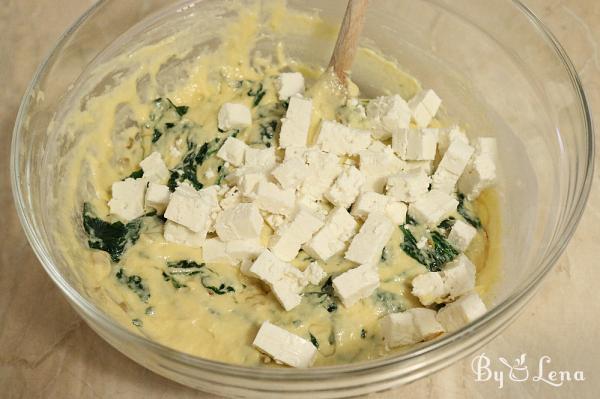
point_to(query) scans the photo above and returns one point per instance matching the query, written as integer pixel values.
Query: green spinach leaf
(465, 211)
(135, 283)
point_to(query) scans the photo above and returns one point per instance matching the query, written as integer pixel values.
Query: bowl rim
(512, 304)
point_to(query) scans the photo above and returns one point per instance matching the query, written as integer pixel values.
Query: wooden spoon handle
(347, 40)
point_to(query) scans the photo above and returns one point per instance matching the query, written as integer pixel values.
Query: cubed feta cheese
(230, 198)
(356, 284)
(332, 237)
(461, 235)
(459, 277)
(346, 187)
(234, 116)
(339, 139)
(396, 211)
(233, 252)
(461, 312)
(157, 197)
(408, 186)
(295, 125)
(127, 200)
(481, 172)
(291, 173)
(314, 273)
(409, 327)
(377, 163)
(451, 166)
(190, 209)
(290, 83)
(386, 114)
(323, 168)
(288, 239)
(368, 202)
(155, 169)
(273, 220)
(367, 245)
(285, 347)
(246, 180)
(448, 135)
(179, 234)
(262, 159)
(425, 166)
(424, 106)
(426, 323)
(415, 144)
(233, 151)
(429, 288)
(239, 222)
(271, 198)
(432, 208)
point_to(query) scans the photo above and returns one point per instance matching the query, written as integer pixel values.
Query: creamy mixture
(147, 268)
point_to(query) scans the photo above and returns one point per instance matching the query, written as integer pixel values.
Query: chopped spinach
(220, 290)
(137, 323)
(325, 296)
(113, 238)
(432, 258)
(267, 132)
(150, 311)
(165, 116)
(176, 284)
(190, 268)
(258, 93)
(134, 283)
(410, 220)
(363, 333)
(390, 302)
(384, 255)
(222, 173)
(447, 224)
(136, 174)
(465, 211)
(185, 264)
(314, 340)
(156, 135)
(181, 109)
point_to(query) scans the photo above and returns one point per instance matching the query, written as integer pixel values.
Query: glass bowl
(496, 67)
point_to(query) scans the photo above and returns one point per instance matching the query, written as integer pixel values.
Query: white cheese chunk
(285, 347)
(339, 139)
(356, 284)
(233, 116)
(157, 197)
(367, 245)
(386, 114)
(291, 173)
(323, 168)
(408, 186)
(409, 327)
(155, 169)
(288, 239)
(461, 312)
(290, 83)
(332, 237)
(452, 166)
(459, 277)
(233, 151)
(271, 198)
(314, 273)
(425, 166)
(396, 211)
(260, 159)
(368, 202)
(377, 163)
(247, 180)
(215, 250)
(429, 288)
(432, 208)
(239, 222)
(190, 208)
(127, 201)
(295, 125)
(346, 187)
(481, 172)
(415, 144)
(273, 220)
(448, 135)
(179, 234)
(231, 197)
(461, 235)
(424, 106)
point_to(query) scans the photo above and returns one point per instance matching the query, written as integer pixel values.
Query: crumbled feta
(285, 347)
(346, 187)
(425, 166)
(356, 284)
(339, 139)
(288, 239)
(127, 200)
(271, 198)
(295, 125)
(409, 327)
(263, 159)
(332, 237)
(377, 163)
(432, 207)
(481, 172)
(408, 186)
(424, 106)
(233, 252)
(230, 198)
(429, 288)
(157, 197)
(461, 235)
(459, 277)
(451, 166)
(386, 114)
(155, 169)
(190, 208)
(448, 135)
(367, 245)
(233, 116)
(273, 220)
(415, 144)
(368, 202)
(290, 83)
(291, 173)
(178, 234)
(396, 211)
(314, 273)
(233, 151)
(239, 222)
(461, 312)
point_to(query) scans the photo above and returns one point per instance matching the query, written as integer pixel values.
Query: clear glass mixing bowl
(496, 67)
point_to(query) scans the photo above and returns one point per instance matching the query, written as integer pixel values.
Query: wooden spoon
(347, 40)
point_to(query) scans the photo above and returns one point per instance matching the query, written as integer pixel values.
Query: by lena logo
(518, 371)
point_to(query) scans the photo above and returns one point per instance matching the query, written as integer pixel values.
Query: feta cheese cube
(425, 166)
(386, 114)
(273, 199)
(461, 312)
(127, 201)
(432, 208)
(459, 277)
(155, 169)
(426, 323)
(233, 252)
(273, 220)
(367, 245)
(260, 159)
(346, 187)
(291, 173)
(178, 234)
(409, 327)
(190, 209)
(288, 239)
(368, 202)
(424, 106)
(295, 125)
(448, 135)
(415, 144)
(157, 197)
(323, 168)
(408, 186)
(290, 83)
(233, 116)
(239, 222)
(452, 166)
(230, 198)
(233, 151)
(396, 211)
(461, 235)
(377, 163)
(332, 237)
(314, 274)
(429, 288)
(481, 172)
(285, 347)
(247, 180)
(339, 139)
(356, 284)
